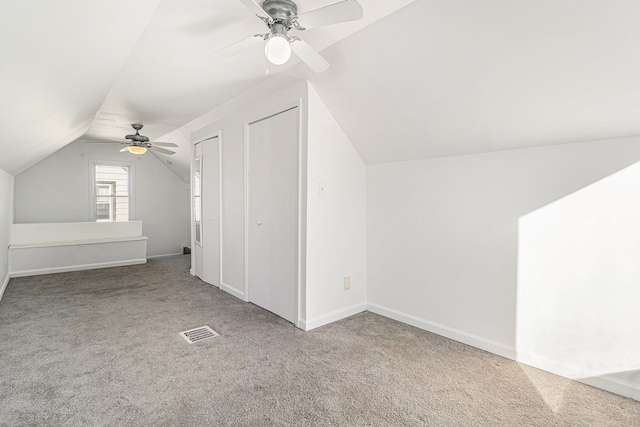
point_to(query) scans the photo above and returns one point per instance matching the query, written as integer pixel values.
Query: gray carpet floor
(102, 347)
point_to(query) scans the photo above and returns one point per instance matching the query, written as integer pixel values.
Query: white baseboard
(4, 286)
(325, 319)
(614, 385)
(302, 324)
(233, 291)
(605, 382)
(81, 267)
(162, 256)
(445, 331)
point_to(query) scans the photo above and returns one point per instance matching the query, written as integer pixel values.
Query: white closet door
(273, 213)
(211, 211)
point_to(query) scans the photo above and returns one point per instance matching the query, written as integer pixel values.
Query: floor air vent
(198, 334)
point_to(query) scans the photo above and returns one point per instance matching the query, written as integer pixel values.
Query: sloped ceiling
(58, 60)
(441, 78)
(413, 79)
(88, 69)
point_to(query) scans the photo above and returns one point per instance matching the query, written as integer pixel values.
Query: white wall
(443, 235)
(336, 221)
(333, 226)
(6, 219)
(578, 274)
(228, 121)
(57, 190)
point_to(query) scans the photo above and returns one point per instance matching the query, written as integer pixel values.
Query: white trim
(302, 217)
(131, 184)
(207, 137)
(246, 210)
(220, 229)
(192, 236)
(42, 233)
(4, 285)
(163, 255)
(614, 385)
(604, 382)
(445, 331)
(333, 316)
(77, 267)
(77, 242)
(233, 291)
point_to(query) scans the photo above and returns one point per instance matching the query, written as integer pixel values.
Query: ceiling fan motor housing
(137, 139)
(281, 10)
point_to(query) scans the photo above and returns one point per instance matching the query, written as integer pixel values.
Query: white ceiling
(58, 60)
(441, 78)
(433, 78)
(77, 68)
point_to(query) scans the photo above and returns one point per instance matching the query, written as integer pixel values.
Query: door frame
(300, 226)
(213, 135)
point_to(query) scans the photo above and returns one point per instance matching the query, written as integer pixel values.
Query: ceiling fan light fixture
(277, 49)
(136, 149)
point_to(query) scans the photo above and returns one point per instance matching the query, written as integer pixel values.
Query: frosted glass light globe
(278, 50)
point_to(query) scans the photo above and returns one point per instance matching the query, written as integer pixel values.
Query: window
(111, 192)
(105, 206)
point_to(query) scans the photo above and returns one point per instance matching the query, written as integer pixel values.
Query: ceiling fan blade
(255, 8)
(124, 149)
(164, 144)
(238, 47)
(309, 56)
(162, 150)
(102, 141)
(344, 11)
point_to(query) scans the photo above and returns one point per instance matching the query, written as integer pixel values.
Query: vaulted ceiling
(413, 79)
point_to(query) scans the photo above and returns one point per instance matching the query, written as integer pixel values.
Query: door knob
(259, 222)
(210, 219)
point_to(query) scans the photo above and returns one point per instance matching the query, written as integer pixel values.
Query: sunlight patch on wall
(579, 280)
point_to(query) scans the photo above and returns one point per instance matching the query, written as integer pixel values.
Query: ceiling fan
(139, 144)
(282, 16)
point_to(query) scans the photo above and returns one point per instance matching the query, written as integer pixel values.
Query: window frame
(93, 186)
(111, 205)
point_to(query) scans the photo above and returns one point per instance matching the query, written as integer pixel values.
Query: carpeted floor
(102, 347)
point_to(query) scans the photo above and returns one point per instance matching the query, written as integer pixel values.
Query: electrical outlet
(347, 282)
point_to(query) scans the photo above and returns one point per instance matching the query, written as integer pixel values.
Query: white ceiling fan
(139, 144)
(281, 16)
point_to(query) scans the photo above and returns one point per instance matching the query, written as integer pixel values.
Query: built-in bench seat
(71, 246)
